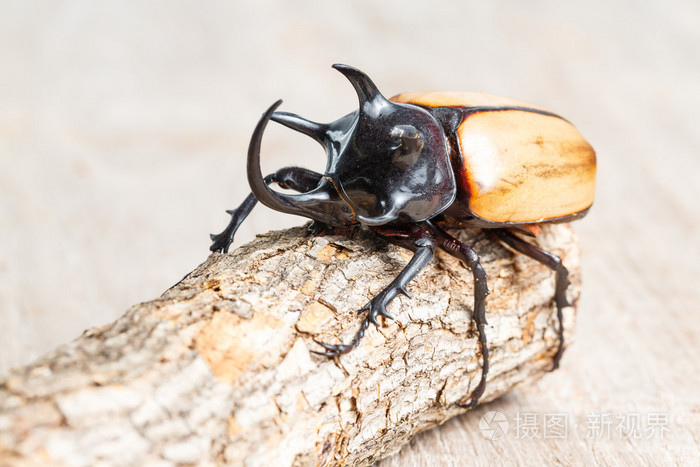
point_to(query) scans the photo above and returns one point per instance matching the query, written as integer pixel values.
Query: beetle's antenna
(366, 89)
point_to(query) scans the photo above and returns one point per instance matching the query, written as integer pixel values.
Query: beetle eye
(406, 145)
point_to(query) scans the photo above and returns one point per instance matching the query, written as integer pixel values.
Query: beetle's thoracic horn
(366, 90)
(315, 130)
(301, 204)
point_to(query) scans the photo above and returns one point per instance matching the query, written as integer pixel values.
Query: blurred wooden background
(123, 129)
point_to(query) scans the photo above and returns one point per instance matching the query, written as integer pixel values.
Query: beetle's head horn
(322, 203)
(315, 130)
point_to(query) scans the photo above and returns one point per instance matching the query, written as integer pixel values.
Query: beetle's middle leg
(554, 263)
(469, 257)
(294, 178)
(416, 237)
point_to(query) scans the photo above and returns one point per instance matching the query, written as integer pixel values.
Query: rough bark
(218, 370)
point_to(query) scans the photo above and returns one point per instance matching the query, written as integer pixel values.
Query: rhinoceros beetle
(408, 166)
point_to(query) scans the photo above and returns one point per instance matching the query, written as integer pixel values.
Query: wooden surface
(123, 129)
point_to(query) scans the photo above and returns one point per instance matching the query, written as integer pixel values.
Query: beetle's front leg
(294, 178)
(415, 238)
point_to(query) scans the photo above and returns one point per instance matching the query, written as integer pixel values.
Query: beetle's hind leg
(413, 237)
(294, 178)
(469, 257)
(554, 263)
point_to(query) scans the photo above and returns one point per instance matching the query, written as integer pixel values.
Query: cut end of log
(220, 368)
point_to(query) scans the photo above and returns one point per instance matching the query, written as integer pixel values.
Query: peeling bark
(218, 370)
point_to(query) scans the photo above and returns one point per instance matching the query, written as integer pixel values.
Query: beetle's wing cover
(519, 163)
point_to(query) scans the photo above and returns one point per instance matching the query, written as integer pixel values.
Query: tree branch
(219, 370)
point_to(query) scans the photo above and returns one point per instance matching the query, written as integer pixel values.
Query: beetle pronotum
(406, 167)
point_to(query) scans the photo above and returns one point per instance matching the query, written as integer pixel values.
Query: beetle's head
(387, 162)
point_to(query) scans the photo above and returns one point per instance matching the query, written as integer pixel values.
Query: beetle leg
(295, 178)
(554, 263)
(421, 241)
(469, 257)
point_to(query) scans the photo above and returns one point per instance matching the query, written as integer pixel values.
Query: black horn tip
(352, 73)
(366, 90)
(268, 113)
(343, 68)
